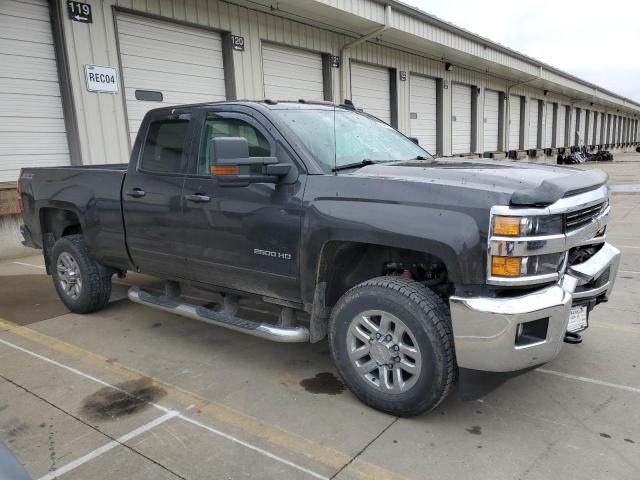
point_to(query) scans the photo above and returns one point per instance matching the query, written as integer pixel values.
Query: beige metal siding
(183, 63)
(460, 118)
(491, 120)
(371, 90)
(533, 123)
(32, 129)
(514, 122)
(423, 116)
(291, 73)
(102, 122)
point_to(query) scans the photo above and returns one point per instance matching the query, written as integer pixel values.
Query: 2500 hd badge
(268, 253)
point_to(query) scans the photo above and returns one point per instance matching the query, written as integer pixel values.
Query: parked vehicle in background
(412, 267)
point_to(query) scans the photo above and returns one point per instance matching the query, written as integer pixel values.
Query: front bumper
(484, 328)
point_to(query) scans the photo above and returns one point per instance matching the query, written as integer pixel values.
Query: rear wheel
(82, 284)
(392, 343)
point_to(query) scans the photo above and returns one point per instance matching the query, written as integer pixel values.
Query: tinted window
(232, 127)
(164, 145)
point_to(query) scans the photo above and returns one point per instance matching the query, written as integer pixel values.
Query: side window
(163, 147)
(232, 127)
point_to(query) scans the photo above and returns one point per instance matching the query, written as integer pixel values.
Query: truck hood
(526, 184)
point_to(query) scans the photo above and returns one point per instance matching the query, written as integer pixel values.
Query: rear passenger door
(152, 194)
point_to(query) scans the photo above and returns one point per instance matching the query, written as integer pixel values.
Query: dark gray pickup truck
(414, 268)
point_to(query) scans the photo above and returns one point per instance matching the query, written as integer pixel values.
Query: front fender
(453, 236)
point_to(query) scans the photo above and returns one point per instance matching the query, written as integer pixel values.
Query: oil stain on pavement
(130, 397)
(326, 383)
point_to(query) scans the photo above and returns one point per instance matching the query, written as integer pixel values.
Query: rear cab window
(164, 146)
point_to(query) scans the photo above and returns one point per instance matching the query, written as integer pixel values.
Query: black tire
(95, 289)
(428, 318)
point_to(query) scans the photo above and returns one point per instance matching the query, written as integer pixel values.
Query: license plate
(577, 319)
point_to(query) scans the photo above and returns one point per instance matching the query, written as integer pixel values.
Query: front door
(152, 195)
(243, 238)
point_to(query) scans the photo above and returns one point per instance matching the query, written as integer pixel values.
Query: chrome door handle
(197, 198)
(136, 193)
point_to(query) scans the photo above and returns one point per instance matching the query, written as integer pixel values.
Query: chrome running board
(275, 333)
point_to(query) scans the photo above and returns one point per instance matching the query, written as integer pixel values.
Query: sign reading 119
(80, 12)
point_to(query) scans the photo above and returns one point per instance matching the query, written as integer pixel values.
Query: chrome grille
(582, 217)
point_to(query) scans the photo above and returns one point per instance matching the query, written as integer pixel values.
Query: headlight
(526, 266)
(527, 226)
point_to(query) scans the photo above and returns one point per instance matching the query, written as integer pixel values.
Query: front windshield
(354, 138)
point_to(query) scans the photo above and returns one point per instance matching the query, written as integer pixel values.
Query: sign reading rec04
(101, 79)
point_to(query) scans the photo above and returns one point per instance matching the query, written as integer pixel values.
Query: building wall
(101, 117)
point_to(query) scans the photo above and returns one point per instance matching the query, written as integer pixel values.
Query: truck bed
(92, 192)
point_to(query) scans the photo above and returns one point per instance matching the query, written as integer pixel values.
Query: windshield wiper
(361, 163)
(420, 157)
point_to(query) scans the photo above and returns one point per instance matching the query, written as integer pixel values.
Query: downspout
(344, 51)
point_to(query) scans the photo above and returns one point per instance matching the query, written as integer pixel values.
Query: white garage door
(514, 122)
(572, 127)
(422, 105)
(32, 130)
(598, 138)
(491, 120)
(182, 63)
(460, 118)
(560, 135)
(291, 73)
(582, 140)
(533, 123)
(371, 90)
(548, 124)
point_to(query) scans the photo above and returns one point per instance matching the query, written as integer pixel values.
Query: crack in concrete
(364, 448)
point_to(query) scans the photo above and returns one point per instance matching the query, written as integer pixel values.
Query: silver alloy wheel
(69, 275)
(384, 351)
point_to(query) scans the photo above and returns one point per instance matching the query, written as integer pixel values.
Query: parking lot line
(169, 413)
(109, 446)
(589, 380)
(42, 267)
(292, 442)
(252, 447)
(629, 271)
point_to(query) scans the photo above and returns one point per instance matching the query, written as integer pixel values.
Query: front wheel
(392, 344)
(82, 284)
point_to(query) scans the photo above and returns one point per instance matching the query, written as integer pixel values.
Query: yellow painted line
(295, 443)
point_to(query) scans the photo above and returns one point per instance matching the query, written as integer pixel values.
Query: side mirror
(231, 165)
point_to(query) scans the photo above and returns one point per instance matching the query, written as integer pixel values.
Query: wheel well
(59, 222)
(344, 265)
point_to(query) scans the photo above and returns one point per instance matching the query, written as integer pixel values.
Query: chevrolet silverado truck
(415, 268)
